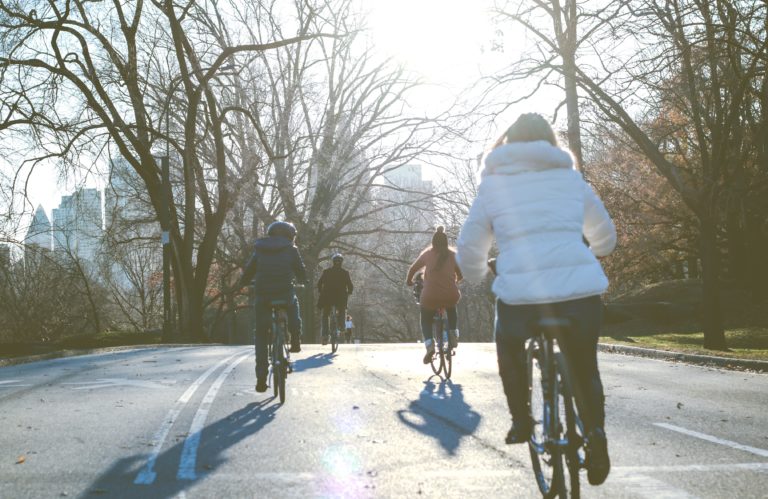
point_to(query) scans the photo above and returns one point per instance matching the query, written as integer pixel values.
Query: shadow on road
(441, 412)
(217, 437)
(313, 362)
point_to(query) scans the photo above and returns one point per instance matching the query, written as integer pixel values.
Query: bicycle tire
(546, 455)
(275, 380)
(574, 427)
(334, 341)
(448, 362)
(333, 330)
(437, 360)
(281, 383)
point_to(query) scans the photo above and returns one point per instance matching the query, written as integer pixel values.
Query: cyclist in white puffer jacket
(540, 210)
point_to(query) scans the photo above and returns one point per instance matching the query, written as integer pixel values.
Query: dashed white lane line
(648, 487)
(11, 383)
(188, 460)
(710, 438)
(147, 474)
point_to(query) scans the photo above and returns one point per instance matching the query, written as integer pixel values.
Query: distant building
(78, 225)
(411, 197)
(38, 236)
(132, 236)
(126, 205)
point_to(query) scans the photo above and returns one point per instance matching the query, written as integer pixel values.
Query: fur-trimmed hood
(519, 157)
(538, 209)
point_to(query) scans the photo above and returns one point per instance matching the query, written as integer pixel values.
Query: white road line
(651, 488)
(147, 474)
(682, 468)
(710, 438)
(188, 460)
(11, 383)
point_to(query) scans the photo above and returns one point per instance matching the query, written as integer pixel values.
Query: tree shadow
(313, 362)
(217, 437)
(440, 412)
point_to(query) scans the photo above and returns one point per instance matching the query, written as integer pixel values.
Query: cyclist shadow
(313, 362)
(216, 438)
(441, 412)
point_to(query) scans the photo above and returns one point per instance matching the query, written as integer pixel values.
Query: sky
(446, 42)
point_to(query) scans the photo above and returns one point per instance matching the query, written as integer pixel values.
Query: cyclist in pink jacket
(441, 274)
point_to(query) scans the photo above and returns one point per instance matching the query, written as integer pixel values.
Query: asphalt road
(367, 422)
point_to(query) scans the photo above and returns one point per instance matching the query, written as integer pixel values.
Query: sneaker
(261, 386)
(518, 434)
(597, 461)
(430, 346)
(453, 338)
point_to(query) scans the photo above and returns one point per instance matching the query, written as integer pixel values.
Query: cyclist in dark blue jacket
(271, 271)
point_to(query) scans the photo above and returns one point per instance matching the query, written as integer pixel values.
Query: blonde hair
(529, 127)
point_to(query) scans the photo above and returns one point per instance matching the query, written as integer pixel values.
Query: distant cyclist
(271, 271)
(537, 206)
(334, 288)
(348, 325)
(441, 274)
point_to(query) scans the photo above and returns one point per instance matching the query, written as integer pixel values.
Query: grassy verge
(743, 343)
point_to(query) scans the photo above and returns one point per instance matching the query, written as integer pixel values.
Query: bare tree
(75, 77)
(326, 124)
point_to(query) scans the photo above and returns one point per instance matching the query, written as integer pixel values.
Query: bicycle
(442, 358)
(278, 351)
(556, 409)
(334, 330)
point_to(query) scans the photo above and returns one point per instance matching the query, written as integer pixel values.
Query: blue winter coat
(273, 267)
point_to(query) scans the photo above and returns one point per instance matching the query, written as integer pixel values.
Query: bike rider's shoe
(430, 345)
(261, 385)
(518, 434)
(453, 338)
(597, 461)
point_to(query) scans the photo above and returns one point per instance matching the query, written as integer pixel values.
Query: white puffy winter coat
(537, 206)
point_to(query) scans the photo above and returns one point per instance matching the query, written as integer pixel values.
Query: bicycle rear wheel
(546, 453)
(283, 368)
(334, 340)
(570, 402)
(437, 360)
(334, 330)
(448, 360)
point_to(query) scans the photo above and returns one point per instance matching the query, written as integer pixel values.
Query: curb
(703, 360)
(59, 354)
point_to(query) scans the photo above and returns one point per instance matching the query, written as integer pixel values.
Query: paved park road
(368, 422)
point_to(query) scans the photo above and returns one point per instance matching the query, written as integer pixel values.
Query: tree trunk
(712, 321)
(307, 299)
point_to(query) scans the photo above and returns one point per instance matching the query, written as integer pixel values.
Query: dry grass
(743, 343)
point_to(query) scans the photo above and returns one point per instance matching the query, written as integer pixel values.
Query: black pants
(341, 313)
(428, 317)
(512, 330)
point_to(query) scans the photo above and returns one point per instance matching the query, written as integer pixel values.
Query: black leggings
(427, 317)
(511, 333)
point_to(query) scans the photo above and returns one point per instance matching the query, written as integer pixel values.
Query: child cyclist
(272, 269)
(539, 209)
(441, 274)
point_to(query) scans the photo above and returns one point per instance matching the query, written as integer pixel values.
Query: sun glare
(441, 40)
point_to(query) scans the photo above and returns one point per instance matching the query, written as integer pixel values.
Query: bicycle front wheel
(544, 443)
